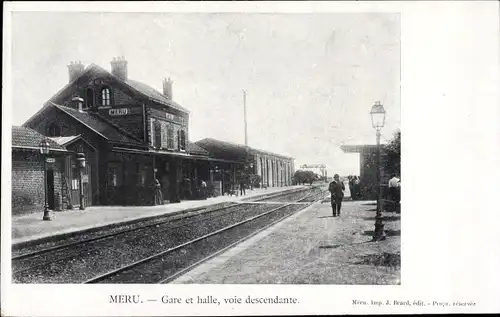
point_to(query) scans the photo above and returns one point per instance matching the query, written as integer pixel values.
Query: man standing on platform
(394, 184)
(336, 189)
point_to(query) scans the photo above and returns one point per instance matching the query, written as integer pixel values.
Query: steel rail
(232, 245)
(71, 244)
(183, 245)
(34, 254)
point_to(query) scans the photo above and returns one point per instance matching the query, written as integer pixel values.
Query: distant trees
(392, 163)
(303, 177)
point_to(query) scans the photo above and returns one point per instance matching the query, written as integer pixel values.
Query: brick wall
(133, 124)
(28, 183)
(121, 98)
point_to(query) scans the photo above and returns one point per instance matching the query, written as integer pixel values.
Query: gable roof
(193, 148)
(222, 149)
(138, 87)
(98, 125)
(154, 94)
(26, 138)
(64, 140)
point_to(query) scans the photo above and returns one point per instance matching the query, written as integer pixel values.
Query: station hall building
(135, 137)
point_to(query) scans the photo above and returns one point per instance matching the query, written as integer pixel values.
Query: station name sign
(119, 112)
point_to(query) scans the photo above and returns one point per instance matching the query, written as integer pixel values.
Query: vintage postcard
(248, 158)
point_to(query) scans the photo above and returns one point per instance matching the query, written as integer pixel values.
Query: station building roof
(230, 150)
(29, 139)
(99, 125)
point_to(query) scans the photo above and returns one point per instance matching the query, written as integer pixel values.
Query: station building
(274, 170)
(132, 135)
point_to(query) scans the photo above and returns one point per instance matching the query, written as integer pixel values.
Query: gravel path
(167, 264)
(315, 248)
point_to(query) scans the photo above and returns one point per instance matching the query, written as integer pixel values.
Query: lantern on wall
(80, 158)
(44, 147)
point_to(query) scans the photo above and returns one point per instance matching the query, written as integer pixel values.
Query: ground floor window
(115, 177)
(141, 175)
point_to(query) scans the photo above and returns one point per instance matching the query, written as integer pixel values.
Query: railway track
(83, 259)
(78, 261)
(74, 239)
(22, 250)
(165, 266)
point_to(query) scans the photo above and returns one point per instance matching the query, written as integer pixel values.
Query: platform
(311, 247)
(32, 227)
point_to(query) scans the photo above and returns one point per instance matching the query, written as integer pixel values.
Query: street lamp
(378, 119)
(44, 151)
(80, 158)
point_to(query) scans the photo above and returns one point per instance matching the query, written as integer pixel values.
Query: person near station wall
(158, 193)
(242, 187)
(203, 189)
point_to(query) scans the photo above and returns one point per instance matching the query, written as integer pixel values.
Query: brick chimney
(167, 88)
(75, 69)
(119, 67)
(77, 103)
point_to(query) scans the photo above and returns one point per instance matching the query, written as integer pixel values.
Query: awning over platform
(173, 154)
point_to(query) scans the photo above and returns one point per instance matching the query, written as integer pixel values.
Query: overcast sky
(311, 79)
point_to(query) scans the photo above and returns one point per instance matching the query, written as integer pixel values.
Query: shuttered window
(182, 140)
(157, 134)
(170, 137)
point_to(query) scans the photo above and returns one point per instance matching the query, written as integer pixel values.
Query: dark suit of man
(336, 189)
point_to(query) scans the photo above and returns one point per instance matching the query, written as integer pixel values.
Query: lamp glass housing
(44, 147)
(80, 157)
(378, 115)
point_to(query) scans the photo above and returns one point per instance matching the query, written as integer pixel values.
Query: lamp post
(378, 119)
(80, 158)
(44, 151)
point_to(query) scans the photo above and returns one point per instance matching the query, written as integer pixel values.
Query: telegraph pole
(245, 115)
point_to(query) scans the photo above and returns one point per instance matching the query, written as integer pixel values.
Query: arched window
(54, 130)
(105, 96)
(89, 98)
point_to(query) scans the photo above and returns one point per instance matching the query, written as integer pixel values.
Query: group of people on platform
(354, 187)
(337, 188)
(186, 189)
